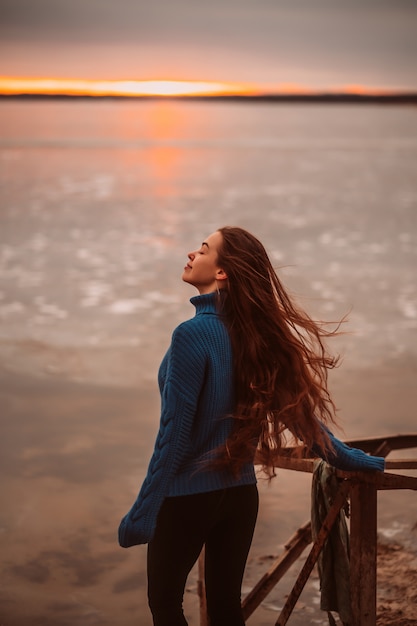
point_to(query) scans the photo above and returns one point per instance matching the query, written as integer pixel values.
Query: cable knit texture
(196, 385)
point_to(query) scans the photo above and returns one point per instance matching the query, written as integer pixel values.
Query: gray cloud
(375, 39)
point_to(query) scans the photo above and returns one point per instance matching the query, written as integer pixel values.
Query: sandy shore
(397, 584)
(72, 457)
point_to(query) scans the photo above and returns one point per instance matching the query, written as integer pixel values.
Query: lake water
(100, 202)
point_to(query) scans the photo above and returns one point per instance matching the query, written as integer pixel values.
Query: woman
(248, 366)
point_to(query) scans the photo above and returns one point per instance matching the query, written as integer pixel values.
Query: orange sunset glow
(56, 86)
(16, 86)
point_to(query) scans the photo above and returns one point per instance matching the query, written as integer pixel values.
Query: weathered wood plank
(402, 464)
(381, 480)
(293, 549)
(394, 442)
(294, 463)
(363, 546)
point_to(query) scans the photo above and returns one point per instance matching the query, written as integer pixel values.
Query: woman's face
(202, 270)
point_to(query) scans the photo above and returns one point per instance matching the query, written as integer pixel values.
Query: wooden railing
(361, 488)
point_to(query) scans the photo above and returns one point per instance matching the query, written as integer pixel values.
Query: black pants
(222, 520)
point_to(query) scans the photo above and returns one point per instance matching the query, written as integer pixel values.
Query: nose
(191, 255)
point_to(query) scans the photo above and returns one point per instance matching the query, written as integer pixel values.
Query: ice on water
(96, 224)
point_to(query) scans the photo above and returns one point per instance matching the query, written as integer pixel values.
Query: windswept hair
(280, 360)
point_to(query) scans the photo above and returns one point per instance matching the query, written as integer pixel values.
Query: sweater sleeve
(182, 386)
(349, 459)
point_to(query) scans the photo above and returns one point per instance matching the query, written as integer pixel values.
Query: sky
(311, 43)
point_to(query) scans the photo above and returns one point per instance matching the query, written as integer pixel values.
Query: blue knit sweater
(196, 385)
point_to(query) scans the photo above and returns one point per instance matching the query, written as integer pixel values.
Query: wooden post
(363, 538)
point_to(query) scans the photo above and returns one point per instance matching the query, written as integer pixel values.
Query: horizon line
(404, 98)
(58, 87)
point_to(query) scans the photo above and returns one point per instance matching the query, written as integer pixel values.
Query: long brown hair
(280, 360)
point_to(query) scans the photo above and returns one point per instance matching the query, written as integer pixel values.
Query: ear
(221, 275)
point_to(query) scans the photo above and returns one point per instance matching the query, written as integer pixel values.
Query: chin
(185, 279)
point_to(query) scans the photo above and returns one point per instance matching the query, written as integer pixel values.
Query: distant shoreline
(404, 98)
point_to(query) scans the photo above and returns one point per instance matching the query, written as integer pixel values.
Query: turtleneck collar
(206, 303)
